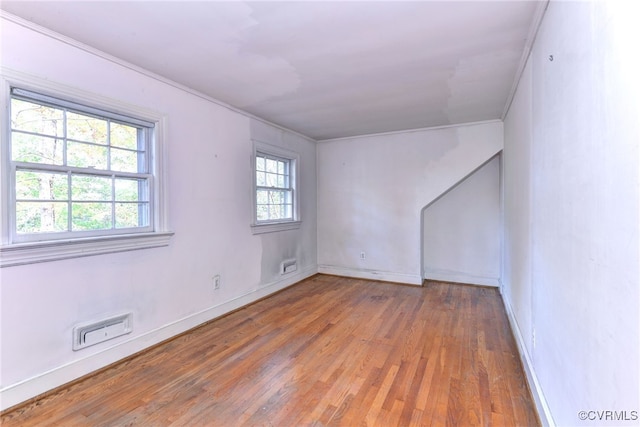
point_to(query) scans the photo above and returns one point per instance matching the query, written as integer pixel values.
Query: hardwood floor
(328, 351)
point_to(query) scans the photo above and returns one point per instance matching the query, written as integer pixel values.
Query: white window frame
(13, 251)
(259, 227)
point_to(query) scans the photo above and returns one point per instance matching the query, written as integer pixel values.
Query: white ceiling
(325, 69)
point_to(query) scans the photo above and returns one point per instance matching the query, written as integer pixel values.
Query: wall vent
(87, 334)
(288, 266)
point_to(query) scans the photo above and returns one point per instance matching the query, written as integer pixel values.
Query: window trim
(294, 177)
(19, 253)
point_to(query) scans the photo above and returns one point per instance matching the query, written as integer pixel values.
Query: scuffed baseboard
(536, 390)
(15, 394)
(386, 276)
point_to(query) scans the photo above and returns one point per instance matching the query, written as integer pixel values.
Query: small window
(274, 193)
(81, 180)
(275, 201)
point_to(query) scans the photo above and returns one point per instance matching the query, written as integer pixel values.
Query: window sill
(34, 252)
(276, 226)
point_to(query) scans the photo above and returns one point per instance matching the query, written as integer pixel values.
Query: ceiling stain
(324, 69)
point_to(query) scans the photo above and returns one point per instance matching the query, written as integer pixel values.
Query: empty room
(296, 213)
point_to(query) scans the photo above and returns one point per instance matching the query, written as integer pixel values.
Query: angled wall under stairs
(372, 191)
(461, 230)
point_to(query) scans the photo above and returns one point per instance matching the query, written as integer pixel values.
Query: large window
(76, 173)
(275, 195)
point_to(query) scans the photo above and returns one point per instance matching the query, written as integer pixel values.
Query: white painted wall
(372, 189)
(168, 289)
(571, 266)
(462, 231)
(517, 175)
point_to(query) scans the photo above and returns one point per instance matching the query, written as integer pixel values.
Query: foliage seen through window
(77, 171)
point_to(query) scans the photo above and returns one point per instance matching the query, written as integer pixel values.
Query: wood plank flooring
(327, 351)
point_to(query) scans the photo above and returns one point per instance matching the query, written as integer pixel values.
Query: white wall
(462, 231)
(168, 289)
(372, 189)
(571, 266)
(516, 276)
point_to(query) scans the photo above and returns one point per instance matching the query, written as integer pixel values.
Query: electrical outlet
(363, 255)
(216, 282)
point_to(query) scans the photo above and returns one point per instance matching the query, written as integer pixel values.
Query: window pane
(86, 155)
(260, 163)
(37, 118)
(272, 166)
(281, 168)
(288, 197)
(132, 215)
(131, 190)
(36, 149)
(275, 212)
(275, 198)
(40, 217)
(260, 179)
(124, 136)
(281, 181)
(262, 197)
(288, 211)
(41, 185)
(272, 180)
(263, 212)
(87, 187)
(125, 161)
(91, 216)
(86, 128)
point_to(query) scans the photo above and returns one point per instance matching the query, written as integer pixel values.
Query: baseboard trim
(544, 413)
(446, 276)
(35, 387)
(386, 276)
